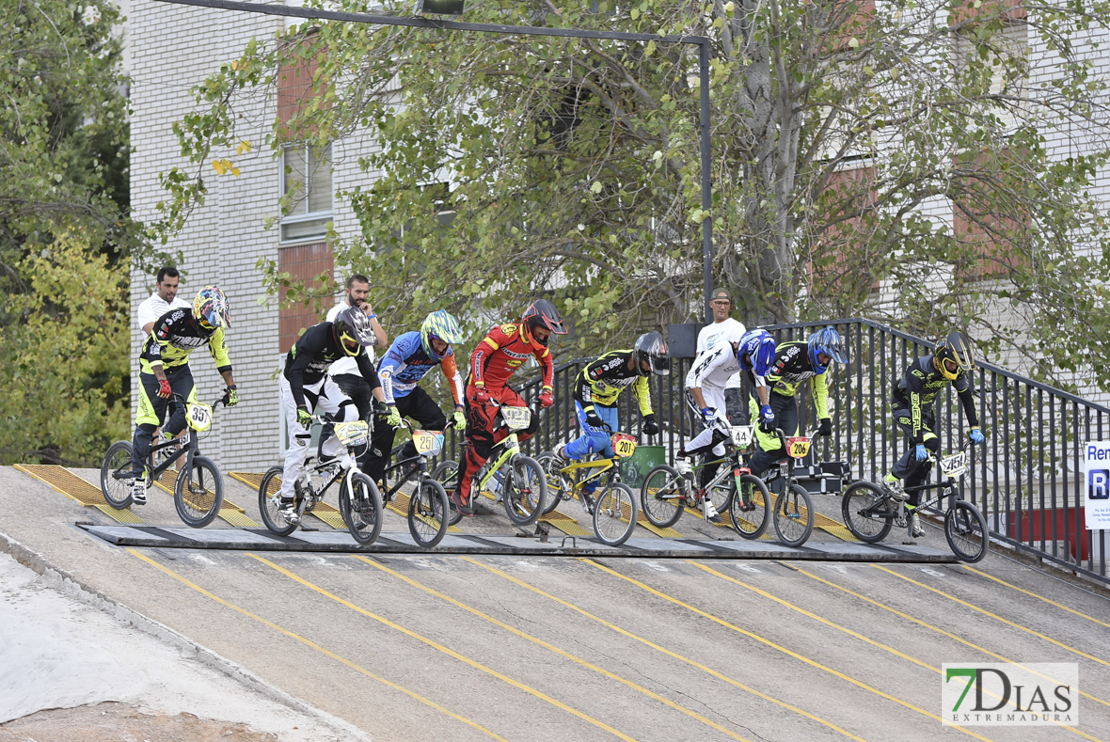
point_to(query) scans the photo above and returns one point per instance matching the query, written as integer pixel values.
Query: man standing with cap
(724, 327)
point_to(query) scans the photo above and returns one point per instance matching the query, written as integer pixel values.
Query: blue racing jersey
(406, 363)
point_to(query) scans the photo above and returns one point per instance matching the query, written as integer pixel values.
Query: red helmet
(541, 313)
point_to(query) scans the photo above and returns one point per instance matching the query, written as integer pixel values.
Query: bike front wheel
(269, 503)
(115, 471)
(750, 508)
(966, 531)
(867, 512)
(524, 491)
(428, 513)
(615, 514)
(361, 508)
(663, 495)
(198, 492)
(794, 515)
(447, 474)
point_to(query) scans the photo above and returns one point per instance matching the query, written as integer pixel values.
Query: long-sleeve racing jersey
(502, 351)
(919, 387)
(791, 367)
(406, 363)
(174, 336)
(713, 368)
(314, 353)
(604, 378)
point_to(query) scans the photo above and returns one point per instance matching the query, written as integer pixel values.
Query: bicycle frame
(189, 447)
(602, 466)
(732, 457)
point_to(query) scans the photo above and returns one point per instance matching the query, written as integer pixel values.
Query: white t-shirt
(728, 330)
(347, 364)
(154, 307)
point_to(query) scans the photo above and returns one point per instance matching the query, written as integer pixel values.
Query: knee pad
(932, 443)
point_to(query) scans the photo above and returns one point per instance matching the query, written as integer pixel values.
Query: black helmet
(353, 325)
(957, 348)
(541, 313)
(651, 348)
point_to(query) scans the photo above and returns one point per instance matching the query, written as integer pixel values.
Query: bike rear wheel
(615, 514)
(361, 508)
(117, 462)
(750, 509)
(524, 491)
(794, 515)
(269, 503)
(966, 531)
(559, 485)
(198, 494)
(428, 513)
(447, 474)
(663, 495)
(867, 512)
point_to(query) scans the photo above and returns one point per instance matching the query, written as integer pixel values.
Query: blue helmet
(827, 341)
(439, 324)
(758, 346)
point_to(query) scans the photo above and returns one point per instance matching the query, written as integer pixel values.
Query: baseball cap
(719, 294)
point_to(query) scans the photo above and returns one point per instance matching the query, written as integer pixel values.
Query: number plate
(623, 445)
(516, 418)
(427, 442)
(954, 465)
(797, 447)
(352, 433)
(742, 435)
(199, 416)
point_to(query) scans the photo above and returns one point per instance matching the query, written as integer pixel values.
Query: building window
(306, 188)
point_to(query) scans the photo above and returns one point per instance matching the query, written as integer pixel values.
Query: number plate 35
(199, 416)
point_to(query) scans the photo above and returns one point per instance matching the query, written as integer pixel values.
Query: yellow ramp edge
(833, 527)
(664, 532)
(120, 516)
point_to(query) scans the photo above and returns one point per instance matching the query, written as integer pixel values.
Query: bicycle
(198, 491)
(793, 510)
(429, 508)
(667, 490)
(523, 487)
(360, 503)
(614, 511)
(870, 511)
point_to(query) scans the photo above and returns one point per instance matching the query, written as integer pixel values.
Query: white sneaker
(559, 459)
(289, 512)
(682, 466)
(894, 488)
(138, 491)
(710, 512)
(916, 530)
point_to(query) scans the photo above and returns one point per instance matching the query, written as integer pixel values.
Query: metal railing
(1026, 479)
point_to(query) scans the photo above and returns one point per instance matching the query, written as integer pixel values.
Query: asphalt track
(648, 644)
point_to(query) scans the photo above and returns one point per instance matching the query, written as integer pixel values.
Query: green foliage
(844, 135)
(65, 234)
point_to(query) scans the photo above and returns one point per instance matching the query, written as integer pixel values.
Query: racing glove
(650, 426)
(825, 428)
(766, 418)
(393, 417)
(592, 418)
(546, 398)
(921, 453)
(481, 396)
(231, 397)
(976, 436)
(458, 419)
(164, 390)
(709, 415)
(304, 417)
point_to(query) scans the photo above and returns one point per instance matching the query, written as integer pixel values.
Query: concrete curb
(71, 587)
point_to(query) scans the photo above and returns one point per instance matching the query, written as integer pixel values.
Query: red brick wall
(305, 262)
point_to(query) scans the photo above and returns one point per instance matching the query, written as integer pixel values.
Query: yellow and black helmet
(954, 347)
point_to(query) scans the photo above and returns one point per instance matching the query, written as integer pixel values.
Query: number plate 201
(624, 445)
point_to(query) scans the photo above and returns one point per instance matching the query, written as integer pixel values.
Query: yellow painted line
(553, 648)
(985, 612)
(780, 648)
(313, 645)
(926, 625)
(838, 627)
(1034, 595)
(449, 652)
(663, 650)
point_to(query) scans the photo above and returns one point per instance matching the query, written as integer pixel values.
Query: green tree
(841, 130)
(65, 235)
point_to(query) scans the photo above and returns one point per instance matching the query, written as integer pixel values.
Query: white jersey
(726, 331)
(713, 368)
(346, 365)
(154, 307)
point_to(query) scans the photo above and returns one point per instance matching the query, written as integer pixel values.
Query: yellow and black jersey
(604, 378)
(792, 366)
(174, 336)
(918, 389)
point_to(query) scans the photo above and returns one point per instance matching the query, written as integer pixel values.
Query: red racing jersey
(502, 351)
